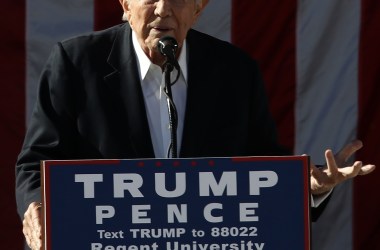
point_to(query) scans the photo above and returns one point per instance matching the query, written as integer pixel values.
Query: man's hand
(32, 226)
(337, 169)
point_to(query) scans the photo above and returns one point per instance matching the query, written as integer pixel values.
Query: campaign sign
(177, 204)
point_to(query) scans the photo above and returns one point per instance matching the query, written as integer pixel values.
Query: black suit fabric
(90, 106)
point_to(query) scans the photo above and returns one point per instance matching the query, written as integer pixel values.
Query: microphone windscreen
(168, 46)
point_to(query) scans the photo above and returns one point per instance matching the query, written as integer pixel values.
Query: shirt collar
(144, 62)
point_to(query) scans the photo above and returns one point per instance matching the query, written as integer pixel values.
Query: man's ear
(204, 3)
(124, 5)
(200, 7)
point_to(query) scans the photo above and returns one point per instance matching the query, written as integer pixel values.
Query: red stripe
(366, 227)
(306, 197)
(267, 158)
(47, 209)
(267, 32)
(12, 113)
(106, 14)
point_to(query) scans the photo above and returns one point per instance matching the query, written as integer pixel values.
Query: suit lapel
(201, 99)
(125, 83)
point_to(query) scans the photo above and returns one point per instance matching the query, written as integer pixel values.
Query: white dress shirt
(152, 83)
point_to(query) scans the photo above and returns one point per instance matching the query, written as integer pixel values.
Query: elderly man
(100, 97)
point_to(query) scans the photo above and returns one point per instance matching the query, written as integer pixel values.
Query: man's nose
(163, 8)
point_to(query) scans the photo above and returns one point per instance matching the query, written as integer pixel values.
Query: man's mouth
(162, 29)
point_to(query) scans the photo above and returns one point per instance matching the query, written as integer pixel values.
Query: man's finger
(356, 167)
(315, 172)
(366, 169)
(36, 215)
(36, 220)
(26, 231)
(28, 227)
(32, 226)
(330, 161)
(349, 150)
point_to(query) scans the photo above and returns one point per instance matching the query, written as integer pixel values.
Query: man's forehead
(203, 2)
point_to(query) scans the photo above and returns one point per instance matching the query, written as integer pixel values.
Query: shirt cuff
(317, 200)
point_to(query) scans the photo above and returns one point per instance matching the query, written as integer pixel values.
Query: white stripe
(327, 100)
(47, 23)
(216, 19)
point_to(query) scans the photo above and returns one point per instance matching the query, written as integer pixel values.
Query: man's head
(153, 19)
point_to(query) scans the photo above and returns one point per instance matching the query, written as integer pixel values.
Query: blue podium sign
(177, 204)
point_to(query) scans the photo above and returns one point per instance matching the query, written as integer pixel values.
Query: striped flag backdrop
(321, 65)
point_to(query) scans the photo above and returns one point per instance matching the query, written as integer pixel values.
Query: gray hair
(125, 18)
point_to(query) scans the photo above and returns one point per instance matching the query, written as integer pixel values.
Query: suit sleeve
(263, 136)
(51, 131)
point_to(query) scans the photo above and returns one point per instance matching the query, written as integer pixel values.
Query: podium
(177, 204)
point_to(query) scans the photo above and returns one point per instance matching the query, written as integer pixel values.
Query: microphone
(168, 46)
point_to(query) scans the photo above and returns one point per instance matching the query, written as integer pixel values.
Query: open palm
(337, 169)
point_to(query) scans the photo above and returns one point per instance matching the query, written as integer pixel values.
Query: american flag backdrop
(321, 64)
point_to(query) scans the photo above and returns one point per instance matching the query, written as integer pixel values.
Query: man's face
(153, 19)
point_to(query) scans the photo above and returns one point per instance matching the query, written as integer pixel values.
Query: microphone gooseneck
(168, 47)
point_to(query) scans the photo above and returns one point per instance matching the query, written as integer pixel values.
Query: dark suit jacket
(90, 106)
